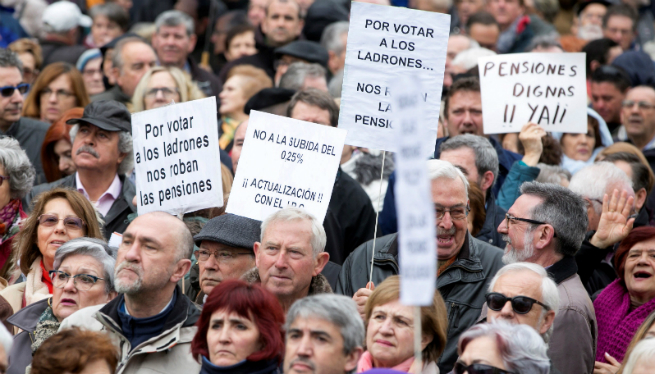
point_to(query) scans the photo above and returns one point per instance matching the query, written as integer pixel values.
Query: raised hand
(615, 222)
(530, 137)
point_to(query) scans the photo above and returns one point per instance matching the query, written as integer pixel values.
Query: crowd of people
(545, 241)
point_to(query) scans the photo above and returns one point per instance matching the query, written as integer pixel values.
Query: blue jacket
(518, 174)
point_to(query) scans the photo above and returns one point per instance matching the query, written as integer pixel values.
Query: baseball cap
(109, 115)
(64, 15)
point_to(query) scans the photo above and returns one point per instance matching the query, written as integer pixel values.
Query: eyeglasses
(7, 91)
(165, 91)
(82, 282)
(457, 213)
(71, 223)
(3, 178)
(220, 256)
(520, 304)
(510, 217)
(628, 104)
(460, 368)
(61, 94)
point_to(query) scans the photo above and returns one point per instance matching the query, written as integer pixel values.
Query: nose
(281, 261)
(60, 227)
(305, 347)
(159, 95)
(385, 328)
(467, 117)
(211, 263)
(507, 311)
(446, 221)
(70, 285)
(502, 228)
(224, 335)
(16, 97)
(52, 97)
(132, 252)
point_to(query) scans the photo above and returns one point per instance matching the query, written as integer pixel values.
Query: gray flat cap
(232, 230)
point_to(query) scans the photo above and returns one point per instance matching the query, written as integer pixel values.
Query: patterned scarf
(228, 127)
(9, 218)
(45, 328)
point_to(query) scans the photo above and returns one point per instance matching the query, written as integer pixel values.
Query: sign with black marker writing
(386, 43)
(177, 159)
(285, 162)
(549, 89)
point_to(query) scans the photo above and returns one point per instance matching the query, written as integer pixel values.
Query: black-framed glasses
(50, 220)
(61, 94)
(520, 304)
(82, 282)
(460, 368)
(628, 104)
(456, 213)
(167, 92)
(7, 91)
(3, 178)
(220, 255)
(510, 217)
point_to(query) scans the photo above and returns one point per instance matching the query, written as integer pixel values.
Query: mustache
(450, 232)
(507, 239)
(304, 361)
(129, 266)
(88, 149)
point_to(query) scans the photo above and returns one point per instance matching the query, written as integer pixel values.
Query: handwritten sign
(177, 158)
(387, 43)
(285, 162)
(545, 88)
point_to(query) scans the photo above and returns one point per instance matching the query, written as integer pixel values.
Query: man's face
(239, 137)
(173, 45)
(464, 114)
(457, 44)
(449, 194)
(336, 61)
(282, 23)
(520, 245)
(224, 262)
(505, 11)
(465, 8)
(464, 159)
(314, 345)
(593, 14)
(285, 259)
(620, 29)
(138, 58)
(485, 35)
(606, 99)
(639, 118)
(282, 65)
(10, 107)
(311, 113)
(256, 11)
(96, 149)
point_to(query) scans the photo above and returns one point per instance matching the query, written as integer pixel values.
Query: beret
(305, 50)
(268, 97)
(232, 230)
(320, 15)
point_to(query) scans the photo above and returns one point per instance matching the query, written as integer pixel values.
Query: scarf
(45, 328)
(228, 127)
(617, 324)
(45, 277)
(245, 366)
(366, 363)
(35, 288)
(9, 218)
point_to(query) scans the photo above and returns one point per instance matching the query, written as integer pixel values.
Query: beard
(126, 286)
(513, 255)
(590, 32)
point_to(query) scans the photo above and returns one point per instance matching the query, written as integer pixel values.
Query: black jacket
(115, 93)
(462, 285)
(25, 319)
(489, 232)
(30, 134)
(208, 83)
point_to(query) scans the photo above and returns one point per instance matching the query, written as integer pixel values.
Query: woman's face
(482, 350)
(241, 45)
(92, 75)
(50, 238)
(72, 297)
(62, 150)
(103, 30)
(57, 98)
(579, 146)
(232, 97)
(161, 90)
(5, 191)
(231, 338)
(640, 271)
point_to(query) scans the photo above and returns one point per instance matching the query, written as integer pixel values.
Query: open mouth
(445, 240)
(57, 243)
(642, 275)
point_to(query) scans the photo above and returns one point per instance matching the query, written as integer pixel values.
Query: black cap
(232, 230)
(108, 115)
(304, 50)
(320, 15)
(268, 97)
(584, 4)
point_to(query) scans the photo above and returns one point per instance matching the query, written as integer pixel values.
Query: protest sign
(414, 207)
(386, 43)
(549, 89)
(285, 162)
(176, 157)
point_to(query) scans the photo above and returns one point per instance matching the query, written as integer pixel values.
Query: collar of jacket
(563, 269)
(28, 317)
(319, 284)
(120, 95)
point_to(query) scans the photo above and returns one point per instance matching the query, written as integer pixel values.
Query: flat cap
(232, 230)
(109, 115)
(304, 50)
(268, 97)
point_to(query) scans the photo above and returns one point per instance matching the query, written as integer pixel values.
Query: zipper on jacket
(454, 315)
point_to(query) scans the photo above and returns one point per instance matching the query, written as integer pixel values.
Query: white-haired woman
(82, 276)
(642, 358)
(162, 85)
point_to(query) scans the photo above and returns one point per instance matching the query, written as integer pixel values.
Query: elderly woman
(390, 331)
(162, 85)
(501, 348)
(56, 149)
(58, 88)
(83, 275)
(89, 64)
(623, 305)
(239, 330)
(16, 179)
(642, 358)
(58, 216)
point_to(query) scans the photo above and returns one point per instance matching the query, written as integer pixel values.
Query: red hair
(58, 131)
(249, 301)
(637, 235)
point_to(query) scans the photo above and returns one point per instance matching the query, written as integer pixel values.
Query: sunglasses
(50, 220)
(478, 369)
(7, 91)
(520, 304)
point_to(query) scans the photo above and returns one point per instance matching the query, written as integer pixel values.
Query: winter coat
(26, 320)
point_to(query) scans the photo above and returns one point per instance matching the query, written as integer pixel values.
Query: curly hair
(17, 167)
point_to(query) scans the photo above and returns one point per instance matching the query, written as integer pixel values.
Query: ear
(332, 60)
(181, 268)
(352, 358)
(256, 249)
(486, 181)
(546, 236)
(320, 262)
(116, 72)
(121, 157)
(192, 43)
(548, 322)
(594, 65)
(640, 199)
(425, 340)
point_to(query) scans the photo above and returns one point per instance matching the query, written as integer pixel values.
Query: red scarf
(45, 277)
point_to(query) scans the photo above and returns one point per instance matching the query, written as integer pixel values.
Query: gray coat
(462, 285)
(25, 319)
(30, 133)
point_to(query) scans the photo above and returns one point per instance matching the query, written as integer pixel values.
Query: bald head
(171, 228)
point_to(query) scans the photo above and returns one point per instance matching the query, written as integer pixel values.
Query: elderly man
(151, 322)
(61, 31)
(102, 154)
(334, 40)
(465, 264)
(609, 85)
(290, 256)
(620, 24)
(638, 118)
(300, 76)
(516, 31)
(324, 334)
(225, 251)
(29, 133)
(546, 226)
(131, 58)
(174, 40)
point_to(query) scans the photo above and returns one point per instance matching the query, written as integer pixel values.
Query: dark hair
(114, 13)
(235, 31)
(249, 301)
(637, 235)
(476, 202)
(614, 75)
(544, 42)
(621, 10)
(552, 151)
(598, 50)
(315, 97)
(483, 18)
(470, 84)
(71, 350)
(642, 176)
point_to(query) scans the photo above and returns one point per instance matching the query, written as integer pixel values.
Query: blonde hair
(255, 79)
(188, 90)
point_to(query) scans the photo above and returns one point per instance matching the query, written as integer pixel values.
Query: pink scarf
(366, 363)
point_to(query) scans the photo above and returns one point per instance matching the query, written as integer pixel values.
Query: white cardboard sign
(549, 89)
(285, 162)
(387, 43)
(176, 158)
(416, 228)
